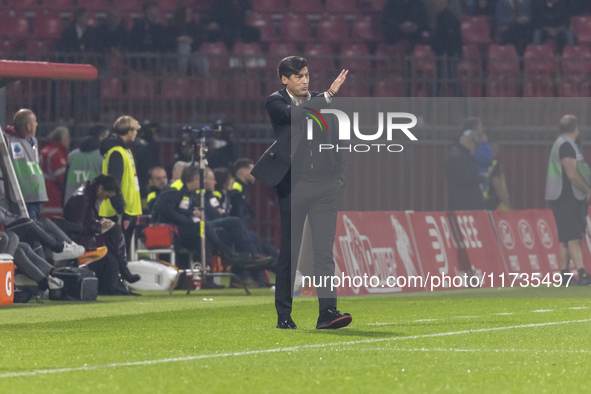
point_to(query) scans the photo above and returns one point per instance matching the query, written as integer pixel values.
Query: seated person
(93, 231)
(28, 262)
(177, 204)
(157, 181)
(41, 234)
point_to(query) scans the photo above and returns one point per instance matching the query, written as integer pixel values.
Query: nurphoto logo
(344, 130)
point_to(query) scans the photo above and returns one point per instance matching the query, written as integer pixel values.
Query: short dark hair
(222, 174)
(98, 130)
(471, 123)
(291, 65)
(151, 170)
(189, 174)
(568, 123)
(240, 164)
(109, 183)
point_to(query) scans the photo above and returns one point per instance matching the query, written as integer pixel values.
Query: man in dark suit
(308, 183)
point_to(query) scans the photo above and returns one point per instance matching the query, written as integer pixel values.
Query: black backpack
(79, 283)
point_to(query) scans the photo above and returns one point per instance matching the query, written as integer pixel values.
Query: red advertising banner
(377, 247)
(6, 283)
(528, 241)
(456, 245)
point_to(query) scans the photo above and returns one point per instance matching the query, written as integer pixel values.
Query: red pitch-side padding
(399, 245)
(528, 241)
(6, 283)
(377, 244)
(456, 243)
(44, 70)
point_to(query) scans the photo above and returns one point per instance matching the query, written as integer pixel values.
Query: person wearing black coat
(92, 231)
(463, 179)
(309, 185)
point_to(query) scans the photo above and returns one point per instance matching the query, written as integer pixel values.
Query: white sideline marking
(475, 350)
(278, 350)
(544, 310)
(579, 307)
(422, 320)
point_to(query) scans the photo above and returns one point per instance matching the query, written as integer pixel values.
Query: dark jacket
(115, 166)
(447, 39)
(275, 163)
(239, 203)
(463, 181)
(82, 210)
(169, 207)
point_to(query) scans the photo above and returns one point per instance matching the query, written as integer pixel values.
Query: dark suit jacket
(275, 163)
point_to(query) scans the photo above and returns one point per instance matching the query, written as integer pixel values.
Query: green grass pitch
(224, 341)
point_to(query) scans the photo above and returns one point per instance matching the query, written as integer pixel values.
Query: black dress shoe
(285, 323)
(332, 319)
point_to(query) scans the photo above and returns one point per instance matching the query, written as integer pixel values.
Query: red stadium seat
(247, 49)
(22, 5)
(176, 88)
(6, 47)
(503, 70)
(365, 29)
(111, 89)
(59, 5)
(575, 70)
(14, 25)
(306, 7)
(503, 59)
(470, 71)
(391, 87)
(277, 51)
(581, 26)
(390, 60)
(372, 5)
(39, 48)
(424, 67)
(356, 57)
(48, 26)
(342, 7)
(539, 60)
(320, 57)
(94, 5)
(576, 62)
(269, 6)
(333, 29)
(355, 87)
(217, 55)
(168, 6)
(135, 6)
(296, 28)
(265, 24)
(250, 55)
(475, 30)
(141, 86)
(575, 89)
(540, 71)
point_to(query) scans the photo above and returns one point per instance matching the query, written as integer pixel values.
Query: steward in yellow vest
(118, 161)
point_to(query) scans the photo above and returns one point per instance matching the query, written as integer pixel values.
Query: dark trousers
(30, 232)
(318, 201)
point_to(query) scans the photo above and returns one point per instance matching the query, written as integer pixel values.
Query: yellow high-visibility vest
(130, 187)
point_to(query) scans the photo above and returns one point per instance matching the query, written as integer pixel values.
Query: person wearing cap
(86, 162)
(463, 179)
(118, 161)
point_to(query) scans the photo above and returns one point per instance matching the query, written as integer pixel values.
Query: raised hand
(336, 85)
